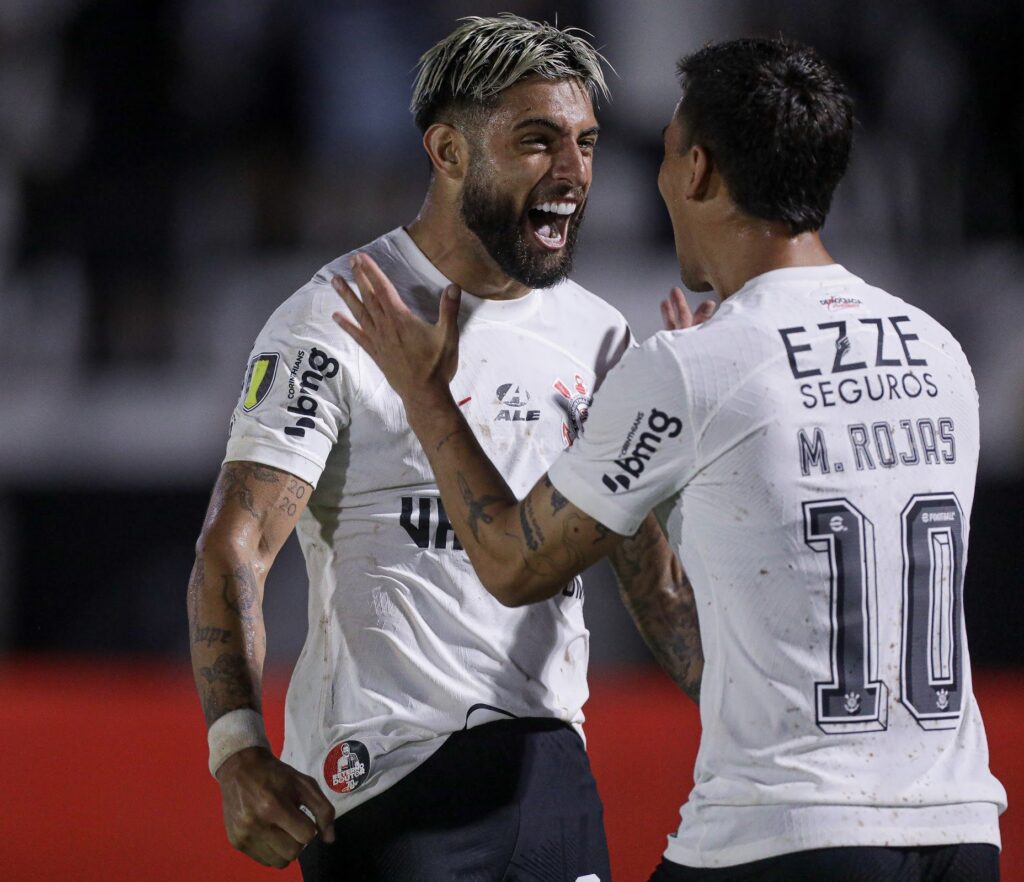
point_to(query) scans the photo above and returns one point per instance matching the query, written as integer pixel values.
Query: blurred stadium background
(170, 170)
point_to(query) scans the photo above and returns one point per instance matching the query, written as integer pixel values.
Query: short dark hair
(776, 120)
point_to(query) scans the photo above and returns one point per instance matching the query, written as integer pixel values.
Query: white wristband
(235, 731)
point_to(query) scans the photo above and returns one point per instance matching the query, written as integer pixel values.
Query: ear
(703, 175)
(448, 150)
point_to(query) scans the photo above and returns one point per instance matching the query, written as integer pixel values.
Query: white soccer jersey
(811, 451)
(405, 645)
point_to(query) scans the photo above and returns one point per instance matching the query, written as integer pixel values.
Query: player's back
(824, 524)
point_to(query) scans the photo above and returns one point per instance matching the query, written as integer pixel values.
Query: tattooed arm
(522, 551)
(252, 511)
(659, 597)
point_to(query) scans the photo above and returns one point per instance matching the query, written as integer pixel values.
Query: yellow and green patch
(259, 378)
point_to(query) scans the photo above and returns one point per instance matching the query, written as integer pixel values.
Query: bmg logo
(659, 426)
(322, 367)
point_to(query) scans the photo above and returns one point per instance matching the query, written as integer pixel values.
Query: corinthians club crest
(576, 401)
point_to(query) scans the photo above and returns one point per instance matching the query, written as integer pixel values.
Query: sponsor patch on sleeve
(259, 379)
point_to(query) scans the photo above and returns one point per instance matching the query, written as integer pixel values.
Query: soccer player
(811, 451)
(442, 728)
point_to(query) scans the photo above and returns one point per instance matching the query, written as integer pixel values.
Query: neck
(749, 249)
(440, 234)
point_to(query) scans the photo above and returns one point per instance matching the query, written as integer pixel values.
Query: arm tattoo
(532, 532)
(559, 555)
(660, 600)
(209, 635)
(241, 594)
(236, 478)
(558, 501)
(448, 438)
(476, 508)
(228, 684)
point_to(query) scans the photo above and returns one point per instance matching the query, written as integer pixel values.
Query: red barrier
(104, 772)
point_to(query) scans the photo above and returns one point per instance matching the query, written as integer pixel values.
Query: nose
(571, 165)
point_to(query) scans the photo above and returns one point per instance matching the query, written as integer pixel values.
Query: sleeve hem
(576, 489)
(309, 470)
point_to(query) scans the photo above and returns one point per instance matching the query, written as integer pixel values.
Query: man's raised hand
(675, 311)
(415, 356)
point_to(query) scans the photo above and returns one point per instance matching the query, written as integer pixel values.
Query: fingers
(667, 318)
(353, 330)
(293, 821)
(448, 312)
(266, 840)
(684, 318)
(704, 312)
(280, 848)
(383, 291)
(314, 799)
(352, 301)
(368, 287)
(676, 313)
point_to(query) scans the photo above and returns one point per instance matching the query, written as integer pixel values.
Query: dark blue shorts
(509, 801)
(935, 863)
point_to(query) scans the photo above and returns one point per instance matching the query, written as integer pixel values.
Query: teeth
(565, 208)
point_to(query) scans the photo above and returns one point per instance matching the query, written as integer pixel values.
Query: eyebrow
(545, 123)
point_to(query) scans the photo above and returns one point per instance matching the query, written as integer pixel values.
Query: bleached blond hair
(484, 56)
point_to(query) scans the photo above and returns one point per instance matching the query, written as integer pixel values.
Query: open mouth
(549, 222)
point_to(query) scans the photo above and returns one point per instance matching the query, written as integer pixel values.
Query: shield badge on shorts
(259, 379)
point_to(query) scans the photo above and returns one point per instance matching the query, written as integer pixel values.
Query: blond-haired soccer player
(812, 451)
(441, 728)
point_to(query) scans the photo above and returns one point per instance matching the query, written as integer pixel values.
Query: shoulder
(656, 362)
(308, 313)
(585, 325)
(577, 304)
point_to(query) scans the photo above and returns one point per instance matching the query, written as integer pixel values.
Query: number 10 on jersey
(931, 659)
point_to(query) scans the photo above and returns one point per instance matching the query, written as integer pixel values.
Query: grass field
(104, 771)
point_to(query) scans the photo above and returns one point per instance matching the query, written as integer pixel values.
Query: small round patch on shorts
(346, 766)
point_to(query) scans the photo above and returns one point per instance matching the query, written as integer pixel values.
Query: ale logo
(346, 766)
(514, 398)
(259, 378)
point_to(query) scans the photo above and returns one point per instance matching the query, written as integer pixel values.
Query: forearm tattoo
(476, 509)
(662, 606)
(240, 593)
(210, 635)
(226, 685)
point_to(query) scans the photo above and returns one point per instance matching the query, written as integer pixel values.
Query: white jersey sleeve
(295, 400)
(639, 445)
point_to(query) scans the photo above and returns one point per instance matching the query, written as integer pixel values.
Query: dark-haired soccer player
(811, 451)
(444, 728)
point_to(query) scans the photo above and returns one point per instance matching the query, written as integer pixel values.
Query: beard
(493, 218)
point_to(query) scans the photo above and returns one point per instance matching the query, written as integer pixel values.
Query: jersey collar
(478, 307)
(832, 272)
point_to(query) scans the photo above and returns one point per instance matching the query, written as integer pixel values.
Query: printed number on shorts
(931, 659)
